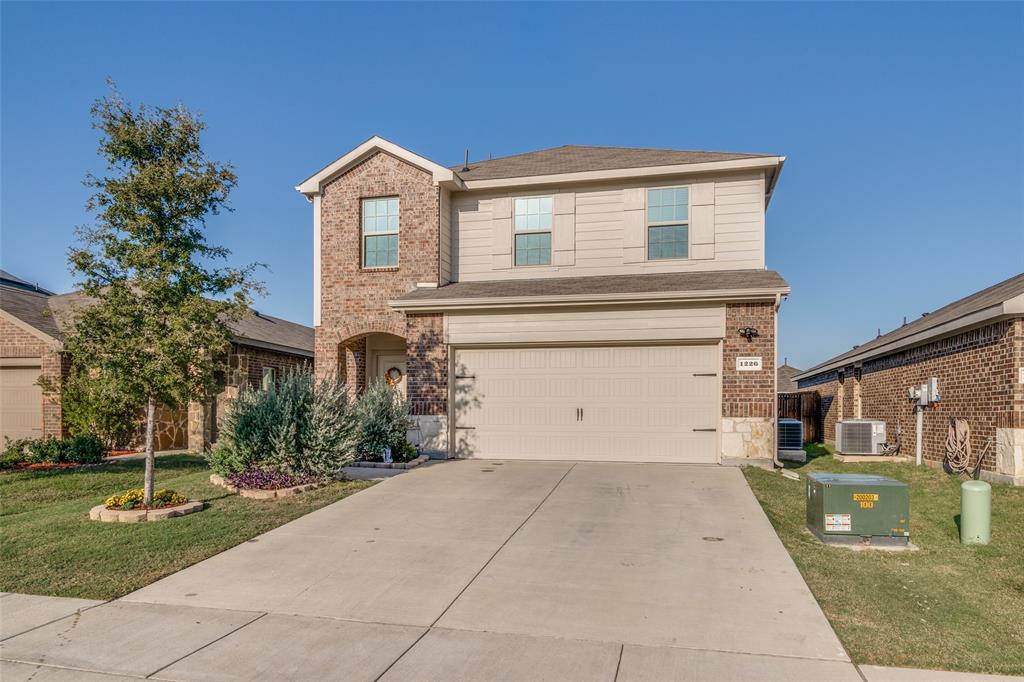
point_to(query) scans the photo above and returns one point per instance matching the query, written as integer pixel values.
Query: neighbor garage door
(21, 403)
(612, 403)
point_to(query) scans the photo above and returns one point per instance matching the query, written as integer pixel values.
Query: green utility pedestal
(975, 513)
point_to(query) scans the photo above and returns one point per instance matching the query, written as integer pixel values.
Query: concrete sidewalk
(472, 571)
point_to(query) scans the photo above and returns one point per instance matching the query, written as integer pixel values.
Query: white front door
(612, 403)
(391, 368)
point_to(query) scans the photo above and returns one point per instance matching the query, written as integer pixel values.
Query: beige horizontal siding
(660, 323)
(599, 216)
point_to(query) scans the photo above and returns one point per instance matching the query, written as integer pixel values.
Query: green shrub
(84, 448)
(81, 449)
(383, 419)
(14, 452)
(301, 425)
(47, 450)
(92, 405)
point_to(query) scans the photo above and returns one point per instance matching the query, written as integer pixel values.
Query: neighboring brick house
(786, 383)
(573, 303)
(31, 332)
(973, 346)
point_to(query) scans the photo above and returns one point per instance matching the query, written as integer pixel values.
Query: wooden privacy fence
(805, 406)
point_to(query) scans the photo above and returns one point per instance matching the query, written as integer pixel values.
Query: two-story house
(576, 303)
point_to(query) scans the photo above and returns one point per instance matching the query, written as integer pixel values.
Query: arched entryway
(374, 356)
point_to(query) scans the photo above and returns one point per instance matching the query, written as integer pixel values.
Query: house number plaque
(748, 364)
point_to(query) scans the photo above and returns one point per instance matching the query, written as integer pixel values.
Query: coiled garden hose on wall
(958, 449)
(958, 446)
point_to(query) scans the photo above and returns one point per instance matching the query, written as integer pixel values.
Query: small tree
(155, 325)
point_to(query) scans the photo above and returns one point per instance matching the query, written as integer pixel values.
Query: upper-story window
(532, 218)
(668, 223)
(380, 233)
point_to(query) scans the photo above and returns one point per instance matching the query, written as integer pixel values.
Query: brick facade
(245, 367)
(748, 397)
(749, 394)
(427, 365)
(354, 300)
(978, 381)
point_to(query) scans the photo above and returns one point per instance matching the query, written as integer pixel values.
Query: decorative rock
(257, 494)
(162, 514)
(131, 515)
(109, 515)
(101, 513)
(217, 479)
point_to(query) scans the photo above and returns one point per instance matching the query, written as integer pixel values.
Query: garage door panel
(21, 403)
(638, 403)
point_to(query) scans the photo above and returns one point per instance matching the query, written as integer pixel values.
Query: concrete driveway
(480, 570)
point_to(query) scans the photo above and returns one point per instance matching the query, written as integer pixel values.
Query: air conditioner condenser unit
(860, 436)
(791, 440)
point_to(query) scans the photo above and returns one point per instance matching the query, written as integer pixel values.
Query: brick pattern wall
(354, 301)
(1016, 416)
(15, 342)
(250, 362)
(977, 381)
(427, 365)
(749, 394)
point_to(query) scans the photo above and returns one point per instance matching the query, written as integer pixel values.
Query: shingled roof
(575, 158)
(958, 312)
(51, 313)
(714, 282)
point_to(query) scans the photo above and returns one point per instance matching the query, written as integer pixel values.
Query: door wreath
(393, 376)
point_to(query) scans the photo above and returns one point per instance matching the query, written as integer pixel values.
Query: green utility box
(858, 509)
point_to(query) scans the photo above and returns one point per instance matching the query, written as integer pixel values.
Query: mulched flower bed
(128, 507)
(265, 484)
(42, 466)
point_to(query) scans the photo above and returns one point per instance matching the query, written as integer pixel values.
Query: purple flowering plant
(264, 478)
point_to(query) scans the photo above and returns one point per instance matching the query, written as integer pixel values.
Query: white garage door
(615, 403)
(21, 403)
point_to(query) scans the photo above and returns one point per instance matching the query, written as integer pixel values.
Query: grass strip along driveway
(49, 546)
(945, 606)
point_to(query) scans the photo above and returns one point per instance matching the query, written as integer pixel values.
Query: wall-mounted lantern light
(748, 333)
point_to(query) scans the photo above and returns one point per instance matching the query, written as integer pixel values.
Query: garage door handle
(465, 428)
(708, 374)
(465, 376)
(705, 429)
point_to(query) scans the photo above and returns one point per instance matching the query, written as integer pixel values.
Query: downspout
(775, 382)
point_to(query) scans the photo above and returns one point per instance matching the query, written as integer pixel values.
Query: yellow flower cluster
(133, 498)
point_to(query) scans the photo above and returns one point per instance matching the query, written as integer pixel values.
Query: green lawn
(946, 606)
(49, 546)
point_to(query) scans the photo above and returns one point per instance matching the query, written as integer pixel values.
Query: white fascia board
(962, 324)
(312, 184)
(627, 173)
(39, 334)
(484, 303)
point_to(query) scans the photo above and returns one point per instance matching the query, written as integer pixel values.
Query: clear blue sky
(903, 124)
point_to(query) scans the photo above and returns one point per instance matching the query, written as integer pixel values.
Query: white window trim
(648, 224)
(550, 231)
(364, 234)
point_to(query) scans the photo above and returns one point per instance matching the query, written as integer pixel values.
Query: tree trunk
(147, 493)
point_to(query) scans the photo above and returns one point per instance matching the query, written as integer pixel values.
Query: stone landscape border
(259, 493)
(392, 465)
(101, 513)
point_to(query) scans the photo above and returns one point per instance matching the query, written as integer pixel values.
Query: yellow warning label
(865, 497)
(867, 505)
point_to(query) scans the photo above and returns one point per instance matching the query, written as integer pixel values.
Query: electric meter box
(858, 509)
